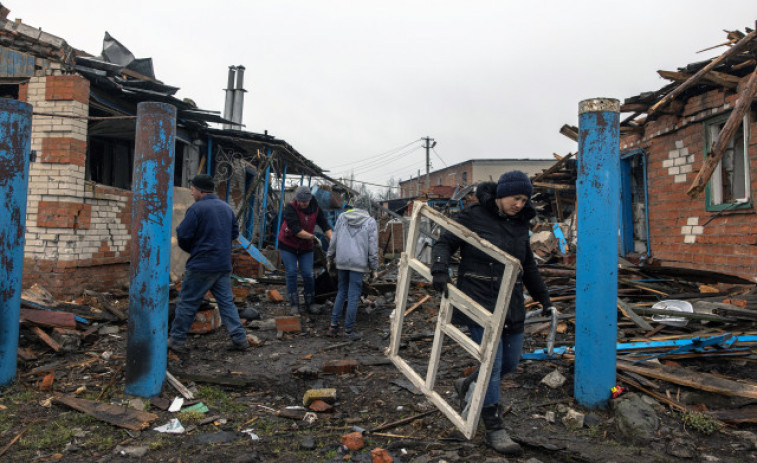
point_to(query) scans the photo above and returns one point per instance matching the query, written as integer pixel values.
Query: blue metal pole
(281, 205)
(16, 134)
(152, 206)
(598, 198)
(264, 202)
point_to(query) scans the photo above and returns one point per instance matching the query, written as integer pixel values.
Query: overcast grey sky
(345, 80)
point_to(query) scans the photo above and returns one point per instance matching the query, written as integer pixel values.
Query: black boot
(496, 436)
(309, 306)
(294, 306)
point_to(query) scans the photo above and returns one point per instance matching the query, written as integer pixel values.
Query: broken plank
(237, 381)
(186, 393)
(116, 415)
(48, 318)
(737, 416)
(417, 304)
(694, 379)
(45, 338)
(740, 45)
(628, 311)
(661, 397)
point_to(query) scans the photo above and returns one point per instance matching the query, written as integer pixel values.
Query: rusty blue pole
(152, 205)
(281, 205)
(264, 202)
(598, 198)
(15, 143)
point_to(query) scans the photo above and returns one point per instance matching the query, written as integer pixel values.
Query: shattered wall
(77, 232)
(682, 231)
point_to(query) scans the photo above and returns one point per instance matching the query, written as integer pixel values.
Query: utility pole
(428, 146)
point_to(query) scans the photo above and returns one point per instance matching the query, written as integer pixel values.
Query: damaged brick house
(672, 135)
(83, 129)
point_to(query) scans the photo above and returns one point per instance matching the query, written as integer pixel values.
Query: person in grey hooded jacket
(353, 250)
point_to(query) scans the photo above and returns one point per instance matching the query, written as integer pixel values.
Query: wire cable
(377, 156)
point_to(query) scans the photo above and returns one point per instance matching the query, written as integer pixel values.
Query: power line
(440, 158)
(368, 168)
(374, 157)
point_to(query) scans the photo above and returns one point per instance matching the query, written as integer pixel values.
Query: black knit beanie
(514, 183)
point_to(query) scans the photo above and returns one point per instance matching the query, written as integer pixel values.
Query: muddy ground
(284, 367)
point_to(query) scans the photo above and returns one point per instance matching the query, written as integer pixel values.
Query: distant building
(470, 172)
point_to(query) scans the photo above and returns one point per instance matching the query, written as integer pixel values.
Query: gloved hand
(374, 275)
(547, 311)
(317, 242)
(440, 283)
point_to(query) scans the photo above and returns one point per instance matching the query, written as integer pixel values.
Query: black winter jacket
(479, 276)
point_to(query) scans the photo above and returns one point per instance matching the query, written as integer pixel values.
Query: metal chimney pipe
(228, 108)
(239, 96)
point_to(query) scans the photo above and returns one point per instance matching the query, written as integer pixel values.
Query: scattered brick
(274, 295)
(206, 321)
(47, 382)
(320, 406)
(288, 324)
(353, 441)
(340, 367)
(380, 455)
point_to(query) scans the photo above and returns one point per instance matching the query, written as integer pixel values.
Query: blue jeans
(291, 262)
(505, 360)
(350, 288)
(194, 286)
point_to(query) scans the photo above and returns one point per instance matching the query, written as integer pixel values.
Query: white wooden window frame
(492, 322)
(716, 182)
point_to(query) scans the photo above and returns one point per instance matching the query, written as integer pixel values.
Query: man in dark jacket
(206, 233)
(501, 217)
(296, 242)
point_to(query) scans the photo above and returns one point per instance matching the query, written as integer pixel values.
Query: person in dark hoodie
(501, 217)
(296, 243)
(353, 250)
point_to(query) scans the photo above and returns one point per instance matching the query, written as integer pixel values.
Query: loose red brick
(379, 455)
(274, 295)
(288, 324)
(340, 367)
(353, 441)
(47, 382)
(320, 406)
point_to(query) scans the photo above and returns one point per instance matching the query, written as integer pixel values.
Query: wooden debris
(186, 393)
(738, 416)
(628, 311)
(693, 379)
(45, 338)
(724, 137)
(48, 318)
(417, 304)
(741, 44)
(116, 415)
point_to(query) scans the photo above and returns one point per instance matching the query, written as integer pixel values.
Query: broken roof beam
(714, 77)
(570, 131)
(729, 129)
(553, 168)
(740, 45)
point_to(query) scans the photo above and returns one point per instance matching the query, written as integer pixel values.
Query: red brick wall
(728, 243)
(64, 150)
(57, 214)
(22, 91)
(67, 88)
(67, 279)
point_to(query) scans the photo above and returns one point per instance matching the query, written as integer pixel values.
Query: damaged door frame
(492, 322)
